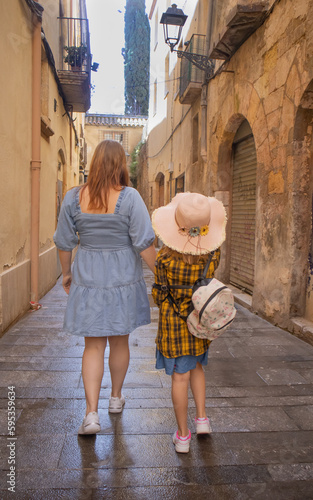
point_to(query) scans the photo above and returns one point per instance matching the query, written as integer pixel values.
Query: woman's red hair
(107, 170)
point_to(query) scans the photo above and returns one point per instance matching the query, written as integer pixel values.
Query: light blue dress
(108, 295)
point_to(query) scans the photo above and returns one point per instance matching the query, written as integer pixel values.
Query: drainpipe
(203, 145)
(36, 161)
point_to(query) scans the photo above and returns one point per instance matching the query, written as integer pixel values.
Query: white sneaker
(203, 426)
(90, 424)
(116, 404)
(182, 444)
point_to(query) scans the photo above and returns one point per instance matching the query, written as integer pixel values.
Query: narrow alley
(259, 400)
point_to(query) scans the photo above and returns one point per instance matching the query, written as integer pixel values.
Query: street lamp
(173, 21)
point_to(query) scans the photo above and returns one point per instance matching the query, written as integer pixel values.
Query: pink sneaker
(203, 426)
(182, 444)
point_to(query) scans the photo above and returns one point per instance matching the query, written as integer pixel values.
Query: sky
(106, 25)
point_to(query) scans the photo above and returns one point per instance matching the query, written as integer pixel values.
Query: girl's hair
(186, 258)
(107, 170)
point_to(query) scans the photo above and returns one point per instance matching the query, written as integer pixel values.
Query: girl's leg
(180, 383)
(92, 370)
(197, 384)
(118, 362)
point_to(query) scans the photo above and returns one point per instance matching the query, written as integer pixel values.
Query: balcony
(75, 63)
(242, 21)
(191, 77)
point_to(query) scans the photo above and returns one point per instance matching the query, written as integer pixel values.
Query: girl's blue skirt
(181, 364)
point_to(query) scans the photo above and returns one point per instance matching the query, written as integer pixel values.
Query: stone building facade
(43, 100)
(244, 135)
(127, 130)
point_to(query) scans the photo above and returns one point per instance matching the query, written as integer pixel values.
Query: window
(121, 137)
(195, 139)
(180, 184)
(106, 136)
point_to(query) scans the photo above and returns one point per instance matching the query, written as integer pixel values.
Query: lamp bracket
(202, 62)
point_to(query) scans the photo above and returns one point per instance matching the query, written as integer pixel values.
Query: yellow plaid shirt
(173, 338)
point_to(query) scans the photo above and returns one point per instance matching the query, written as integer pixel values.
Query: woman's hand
(66, 282)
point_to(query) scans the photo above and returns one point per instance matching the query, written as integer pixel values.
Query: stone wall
(271, 73)
(268, 81)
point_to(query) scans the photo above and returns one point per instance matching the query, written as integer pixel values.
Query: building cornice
(115, 120)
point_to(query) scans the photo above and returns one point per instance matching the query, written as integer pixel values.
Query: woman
(107, 293)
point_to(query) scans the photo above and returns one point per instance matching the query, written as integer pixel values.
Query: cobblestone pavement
(259, 400)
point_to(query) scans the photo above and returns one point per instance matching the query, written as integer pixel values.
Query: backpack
(213, 310)
(212, 307)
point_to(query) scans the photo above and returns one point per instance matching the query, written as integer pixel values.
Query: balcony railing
(191, 77)
(75, 62)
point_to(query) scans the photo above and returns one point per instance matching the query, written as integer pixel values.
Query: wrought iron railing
(75, 47)
(189, 72)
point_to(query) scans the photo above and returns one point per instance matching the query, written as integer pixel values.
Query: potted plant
(76, 56)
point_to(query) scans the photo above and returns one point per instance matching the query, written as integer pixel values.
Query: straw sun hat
(191, 223)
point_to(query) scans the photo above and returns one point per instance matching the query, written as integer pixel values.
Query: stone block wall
(269, 85)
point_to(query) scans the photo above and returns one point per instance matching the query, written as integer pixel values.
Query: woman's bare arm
(66, 260)
(149, 256)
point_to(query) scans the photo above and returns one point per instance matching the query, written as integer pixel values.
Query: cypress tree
(136, 58)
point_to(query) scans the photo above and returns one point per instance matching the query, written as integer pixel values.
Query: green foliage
(136, 58)
(133, 167)
(76, 56)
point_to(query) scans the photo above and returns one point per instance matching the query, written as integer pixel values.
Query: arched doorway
(160, 189)
(243, 209)
(301, 303)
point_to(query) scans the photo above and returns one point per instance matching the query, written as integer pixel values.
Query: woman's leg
(197, 384)
(118, 362)
(180, 383)
(92, 370)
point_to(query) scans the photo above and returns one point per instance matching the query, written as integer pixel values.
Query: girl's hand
(66, 282)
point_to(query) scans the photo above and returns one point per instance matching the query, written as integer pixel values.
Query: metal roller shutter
(243, 214)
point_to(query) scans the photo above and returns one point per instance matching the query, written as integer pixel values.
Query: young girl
(191, 227)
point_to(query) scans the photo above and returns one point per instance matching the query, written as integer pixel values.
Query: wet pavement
(259, 400)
